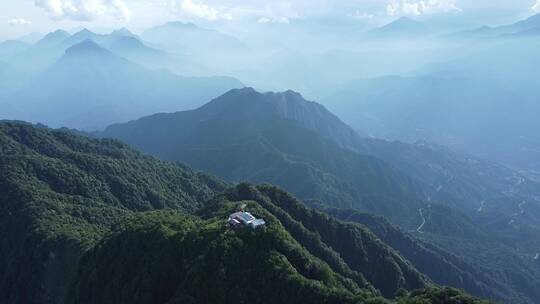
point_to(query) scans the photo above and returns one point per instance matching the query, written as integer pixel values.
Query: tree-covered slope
(281, 139)
(199, 259)
(183, 259)
(356, 246)
(438, 264)
(276, 138)
(92, 221)
(61, 193)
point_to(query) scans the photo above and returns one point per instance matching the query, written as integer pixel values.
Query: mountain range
(248, 136)
(465, 104)
(83, 219)
(520, 28)
(90, 87)
(189, 38)
(127, 167)
(401, 28)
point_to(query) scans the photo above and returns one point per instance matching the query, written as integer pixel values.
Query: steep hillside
(424, 188)
(280, 139)
(357, 246)
(62, 193)
(92, 221)
(133, 49)
(440, 265)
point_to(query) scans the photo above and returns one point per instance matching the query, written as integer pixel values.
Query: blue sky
(18, 17)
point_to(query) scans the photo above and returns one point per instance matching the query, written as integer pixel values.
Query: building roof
(244, 217)
(258, 222)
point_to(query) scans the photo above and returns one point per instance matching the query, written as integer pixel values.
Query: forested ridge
(93, 221)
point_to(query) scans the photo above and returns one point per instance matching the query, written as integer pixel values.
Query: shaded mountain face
(90, 87)
(82, 36)
(133, 49)
(50, 48)
(85, 81)
(286, 124)
(278, 138)
(429, 190)
(105, 217)
(438, 264)
(118, 37)
(127, 44)
(53, 38)
(289, 105)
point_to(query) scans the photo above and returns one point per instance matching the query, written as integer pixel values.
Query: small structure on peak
(243, 218)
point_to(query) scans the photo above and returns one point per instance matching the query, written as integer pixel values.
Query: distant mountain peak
(293, 94)
(84, 31)
(55, 36)
(247, 103)
(57, 33)
(404, 23)
(403, 26)
(251, 96)
(88, 46)
(180, 24)
(123, 32)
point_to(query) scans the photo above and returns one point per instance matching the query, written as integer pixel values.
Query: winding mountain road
(419, 229)
(520, 206)
(481, 208)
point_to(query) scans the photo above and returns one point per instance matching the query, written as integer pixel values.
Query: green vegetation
(62, 193)
(243, 136)
(357, 246)
(92, 221)
(439, 265)
(284, 140)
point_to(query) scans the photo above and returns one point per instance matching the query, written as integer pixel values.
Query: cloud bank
(417, 8)
(19, 21)
(536, 6)
(193, 9)
(85, 10)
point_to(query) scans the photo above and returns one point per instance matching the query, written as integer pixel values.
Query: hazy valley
(325, 157)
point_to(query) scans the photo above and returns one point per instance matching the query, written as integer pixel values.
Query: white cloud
(406, 7)
(536, 6)
(85, 10)
(199, 10)
(273, 20)
(191, 9)
(363, 15)
(19, 21)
